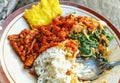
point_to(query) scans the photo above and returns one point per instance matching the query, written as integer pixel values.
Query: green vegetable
(74, 12)
(110, 38)
(86, 44)
(72, 36)
(84, 50)
(105, 59)
(93, 56)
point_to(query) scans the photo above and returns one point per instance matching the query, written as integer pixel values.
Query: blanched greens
(93, 46)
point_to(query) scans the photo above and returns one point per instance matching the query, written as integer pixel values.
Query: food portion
(93, 39)
(91, 36)
(51, 50)
(55, 65)
(42, 13)
(51, 66)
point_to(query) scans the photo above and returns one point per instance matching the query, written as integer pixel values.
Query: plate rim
(73, 4)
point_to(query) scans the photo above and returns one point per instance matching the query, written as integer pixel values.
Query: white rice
(51, 66)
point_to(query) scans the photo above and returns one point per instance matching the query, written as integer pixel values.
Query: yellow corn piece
(42, 13)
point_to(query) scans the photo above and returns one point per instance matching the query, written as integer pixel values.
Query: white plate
(12, 65)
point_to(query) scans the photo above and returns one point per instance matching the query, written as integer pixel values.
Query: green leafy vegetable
(86, 45)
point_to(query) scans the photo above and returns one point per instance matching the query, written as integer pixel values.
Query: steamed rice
(51, 67)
